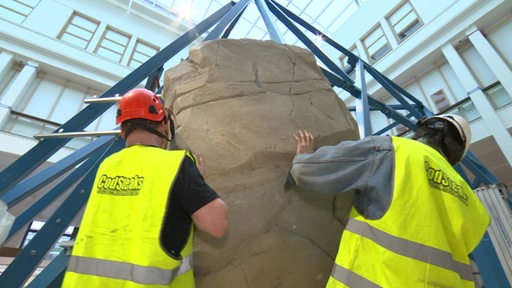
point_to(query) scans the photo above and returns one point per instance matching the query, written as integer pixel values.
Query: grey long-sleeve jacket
(365, 166)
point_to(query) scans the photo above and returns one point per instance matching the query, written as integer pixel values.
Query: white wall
(64, 66)
(501, 40)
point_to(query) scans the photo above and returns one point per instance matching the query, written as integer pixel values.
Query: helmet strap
(169, 128)
(156, 132)
(140, 125)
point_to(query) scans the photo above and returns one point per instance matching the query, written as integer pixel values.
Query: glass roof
(325, 15)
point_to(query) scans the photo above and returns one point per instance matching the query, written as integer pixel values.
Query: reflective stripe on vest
(126, 271)
(410, 249)
(350, 278)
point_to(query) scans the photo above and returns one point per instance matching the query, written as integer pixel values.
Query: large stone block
(238, 102)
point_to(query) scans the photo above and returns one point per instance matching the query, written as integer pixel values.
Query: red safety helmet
(140, 103)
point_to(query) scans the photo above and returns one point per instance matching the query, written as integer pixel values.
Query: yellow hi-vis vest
(432, 224)
(114, 248)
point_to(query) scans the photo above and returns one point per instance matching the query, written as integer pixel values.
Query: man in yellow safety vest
(414, 219)
(137, 228)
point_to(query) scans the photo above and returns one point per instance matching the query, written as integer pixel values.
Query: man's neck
(141, 137)
(438, 149)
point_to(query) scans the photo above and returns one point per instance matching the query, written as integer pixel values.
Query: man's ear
(123, 132)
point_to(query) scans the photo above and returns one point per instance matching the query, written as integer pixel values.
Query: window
(468, 111)
(17, 10)
(50, 101)
(79, 31)
(498, 96)
(113, 44)
(376, 44)
(9, 77)
(35, 226)
(404, 21)
(141, 53)
(440, 100)
(161, 7)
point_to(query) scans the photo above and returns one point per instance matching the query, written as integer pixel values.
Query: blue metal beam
(20, 269)
(390, 126)
(29, 161)
(153, 81)
(393, 106)
(232, 25)
(43, 202)
(53, 274)
(312, 46)
(282, 11)
(27, 260)
(482, 175)
(30, 185)
(488, 263)
(315, 31)
(335, 80)
(274, 32)
(389, 85)
(226, 20)
(393, 89)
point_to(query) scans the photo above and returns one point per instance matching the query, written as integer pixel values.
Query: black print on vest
(120, 185)
(439, 180)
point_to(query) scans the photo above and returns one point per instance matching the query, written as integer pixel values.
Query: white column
(491, 57)
(362, 51)
(6, 60)
(128, 51)
(17, 90)
(96, 38)
(362, 107)
(490, 118)
(390, 34)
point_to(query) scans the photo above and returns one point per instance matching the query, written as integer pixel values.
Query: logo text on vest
(120, 185)
(438, 179)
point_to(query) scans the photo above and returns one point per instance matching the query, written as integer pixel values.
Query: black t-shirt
(189, 192)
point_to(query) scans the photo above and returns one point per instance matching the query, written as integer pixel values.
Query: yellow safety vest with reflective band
(432, 224)
(114, 248)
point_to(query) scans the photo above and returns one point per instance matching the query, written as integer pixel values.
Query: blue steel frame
(14, 188)
(485, 254)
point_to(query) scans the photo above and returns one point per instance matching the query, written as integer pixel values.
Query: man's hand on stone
(305, 142)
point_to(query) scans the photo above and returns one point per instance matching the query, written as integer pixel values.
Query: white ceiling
(325, 15)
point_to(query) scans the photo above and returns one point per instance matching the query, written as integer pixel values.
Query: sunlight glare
(185, 11)
(319, 38)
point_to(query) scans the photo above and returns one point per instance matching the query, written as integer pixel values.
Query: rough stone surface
(238, 102)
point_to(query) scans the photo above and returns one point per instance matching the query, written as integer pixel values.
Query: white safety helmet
(462, 127)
